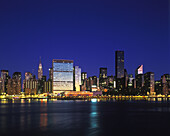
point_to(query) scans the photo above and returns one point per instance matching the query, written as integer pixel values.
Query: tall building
(158, 87)
(149, 83)
(28, 75)
(83, 77)
(30, 84)
(93, 83)
(77, 78)
(139, 70)
(139, 79)
(103, 78)
(40, 70)
(119, 70)
(62, 75)
(14, 84)
(4, 78)
(119, 64)
(165, 83)
(1, 86)
(51, 73)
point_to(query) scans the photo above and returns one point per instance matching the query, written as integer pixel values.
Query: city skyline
(40, 63)
(85, 33)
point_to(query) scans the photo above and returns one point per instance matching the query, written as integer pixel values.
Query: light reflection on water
(76, 116)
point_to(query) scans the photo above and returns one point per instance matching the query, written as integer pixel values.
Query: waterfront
(83, 117)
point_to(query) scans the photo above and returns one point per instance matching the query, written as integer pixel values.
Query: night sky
(86, 31)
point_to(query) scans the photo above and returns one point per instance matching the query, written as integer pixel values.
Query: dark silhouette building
(149, 83)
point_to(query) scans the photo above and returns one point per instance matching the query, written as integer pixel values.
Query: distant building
(83, 77)
(139, 79)
(14, 84)
(62, 75)
(30, 84)
(103, 78)
(4, 78)
(111, 81)
(47, 86)
(28, 75)
(40, 70)
(93, 83)
(50, 73)
(158, 87)
(1, 90)
(165, 83)
(77, 78)
(119, 70)
(41, 85)
(139, 70)
(149, 83)
(119, 64)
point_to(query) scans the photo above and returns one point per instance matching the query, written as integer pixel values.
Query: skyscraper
(139, 70)
(119, 64)
(30, 84)
(40, 70)
(103, 78)
(50, 73)
(119, 70)
(83, 77)
(62, 75)
(4, 78)
(77, 78)
(139, 79)
(14, 84)
(149, 82)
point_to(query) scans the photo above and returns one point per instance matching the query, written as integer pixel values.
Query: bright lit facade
(62, 75)
(77, 78)
(139, 70)
(40, 70)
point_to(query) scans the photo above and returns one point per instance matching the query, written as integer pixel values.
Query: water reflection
(43, 121)
(94, 118)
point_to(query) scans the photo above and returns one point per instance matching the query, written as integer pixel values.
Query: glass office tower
(62, 75)
(119, 64)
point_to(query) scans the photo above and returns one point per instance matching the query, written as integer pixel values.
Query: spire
(40, 60)
(40, 70)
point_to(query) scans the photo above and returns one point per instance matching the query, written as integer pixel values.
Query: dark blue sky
(86, 31)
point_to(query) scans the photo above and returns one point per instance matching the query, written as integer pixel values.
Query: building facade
(62, 76)
(77, 78)
(40, 70)
(149, 83)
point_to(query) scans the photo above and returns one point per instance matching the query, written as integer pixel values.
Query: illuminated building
(14, 84)
(77, 78)
(62, 75)
(119, 64)
(28, 75)
(165, 79)
(111, 81)
(30, 84)
(139, 70)
(103, 78)
(4, 78)
(41, 83)
(50, 73)
(139, 79)
(149, 83)
(40, 70)
(83, 77)
(119, 70)
(130, 80)
(158, 87)
(78, 93)
(93, 83)
(47, 86)
(1, 86)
